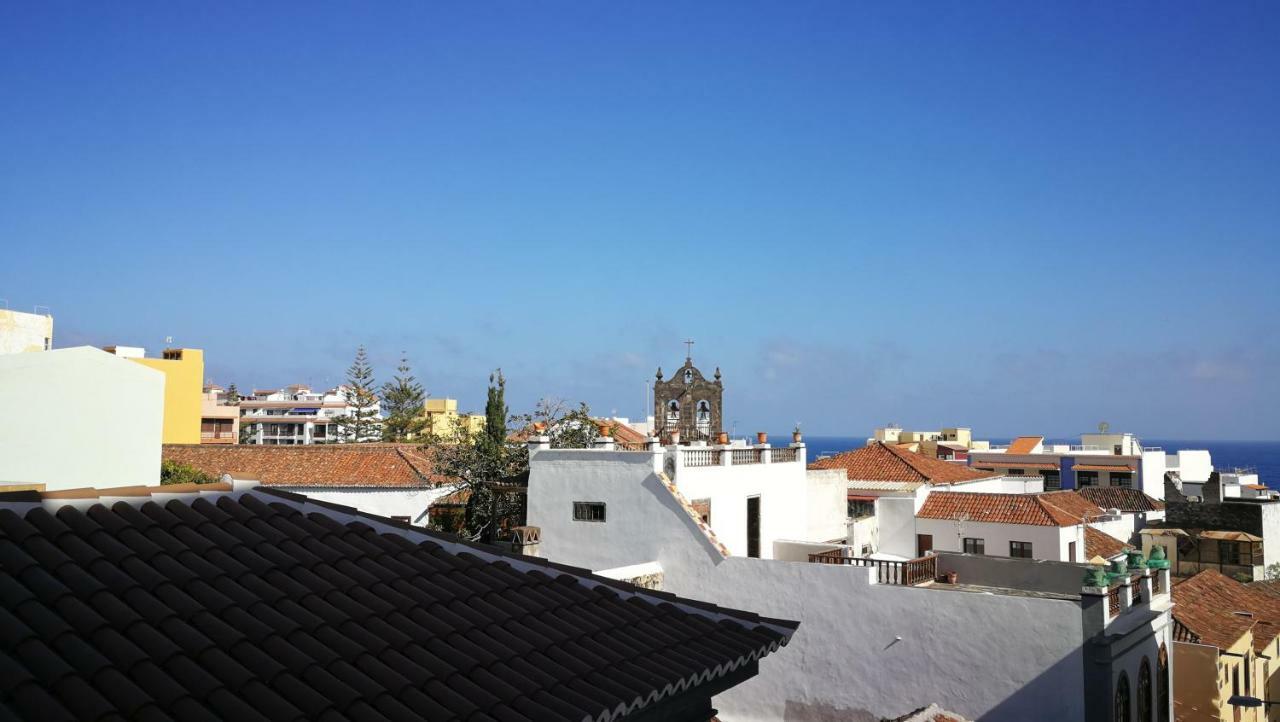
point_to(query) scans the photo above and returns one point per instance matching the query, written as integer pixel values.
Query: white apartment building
(1013, 639)
(21, 332)
(295, 415)
(1101, 459)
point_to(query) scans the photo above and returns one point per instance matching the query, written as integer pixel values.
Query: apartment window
(1052, 480)
(1121, 478)
(859, 509)
(866, 550)
(1020, 550)
(974, 546)
(1087, 478)
(588, 511)
(1016, 472)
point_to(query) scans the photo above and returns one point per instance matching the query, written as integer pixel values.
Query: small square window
(588, 511)
(974, 546)
(1020, 550)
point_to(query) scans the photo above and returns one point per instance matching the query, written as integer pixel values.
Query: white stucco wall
(1270, 533)
(826, 505)
(79, 417)
(897, 521)
(1153, 469)
(985, 656)
(412, 503)
(785, 511)
(1047, 542)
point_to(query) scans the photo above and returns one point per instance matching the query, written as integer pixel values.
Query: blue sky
(1021, 217)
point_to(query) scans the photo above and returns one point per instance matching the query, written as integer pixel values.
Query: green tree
(478, 462)
(233, 396)
(402, 399)
(566, 428)
(362, 421)
(1273, 571)
(173, 472)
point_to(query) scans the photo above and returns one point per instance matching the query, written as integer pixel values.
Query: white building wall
(784, 509)
(22, 332)
(897, 522)
(1270, 532)
(1047, 542)
(1153, 469)
(863, 651)
(412, 503)
(79, 417)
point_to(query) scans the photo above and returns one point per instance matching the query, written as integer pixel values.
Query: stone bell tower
(688, 403)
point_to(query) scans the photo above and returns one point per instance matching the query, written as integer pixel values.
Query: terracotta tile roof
(1005, 464)
(1024, 444)
(389, 465)
(1104, 467)
(1205, 606)
(1120, 497)
(884, 462)
(621, 432)
(703, 527)
(1059, 508)
(261, 606)
(1102, 544)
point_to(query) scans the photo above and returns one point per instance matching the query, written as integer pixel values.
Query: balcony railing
(1113, 602)
(907, 574)
(782, 456)
(702, 457)
(1135, 583)
(739, 457)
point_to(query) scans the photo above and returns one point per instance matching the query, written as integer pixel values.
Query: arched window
(1162, 685)
(673, 412)
(703, 417)
(1121, 713)
(1144, 691)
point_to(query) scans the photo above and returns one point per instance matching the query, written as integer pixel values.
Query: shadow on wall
(1046, 689)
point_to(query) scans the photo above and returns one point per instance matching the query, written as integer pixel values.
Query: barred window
(588, 511)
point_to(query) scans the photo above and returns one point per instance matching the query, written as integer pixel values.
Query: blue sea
(1264, 456)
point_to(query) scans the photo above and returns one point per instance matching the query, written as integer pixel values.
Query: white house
(877, 638)
(79, 417)
(1054, 526)
(1106, 460)
(297, 415)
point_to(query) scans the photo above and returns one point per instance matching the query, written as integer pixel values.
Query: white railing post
(605, 443)
(765, 453)
(726, 455)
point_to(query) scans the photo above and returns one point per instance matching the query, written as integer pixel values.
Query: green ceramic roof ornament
(1096, 577)
(1157, 560)
(1134, 559)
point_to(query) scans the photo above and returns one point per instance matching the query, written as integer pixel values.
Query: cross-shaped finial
(689, 348)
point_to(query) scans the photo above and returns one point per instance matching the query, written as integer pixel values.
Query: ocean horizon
(1262, 456)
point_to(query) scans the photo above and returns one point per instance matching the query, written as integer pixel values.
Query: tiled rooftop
(1205, 606)
(1059, 508)
(1122, 498)
(1024, 444)
(389, 465)
(1101, 544)
(256, 605)
(883, 462)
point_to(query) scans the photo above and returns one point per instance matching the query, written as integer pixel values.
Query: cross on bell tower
(688, 354)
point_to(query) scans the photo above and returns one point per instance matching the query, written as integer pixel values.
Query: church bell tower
(688, 403)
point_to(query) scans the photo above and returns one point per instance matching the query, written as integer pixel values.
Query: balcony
(910, 573)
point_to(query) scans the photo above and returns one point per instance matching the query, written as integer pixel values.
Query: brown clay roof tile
(883, 462)
(390, 465)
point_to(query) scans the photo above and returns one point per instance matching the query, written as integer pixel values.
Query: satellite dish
(1103, 427)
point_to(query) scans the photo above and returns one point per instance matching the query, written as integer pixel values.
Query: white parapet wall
(864, 650)
(79, 417)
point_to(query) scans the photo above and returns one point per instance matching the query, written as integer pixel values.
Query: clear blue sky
(1021, 217)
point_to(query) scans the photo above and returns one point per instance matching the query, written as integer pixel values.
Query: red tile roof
(389, 465)
(1101, 544)
(884, 462)
(1120, 497)
(1024, 444)
(1206, 605)
(1059, 508)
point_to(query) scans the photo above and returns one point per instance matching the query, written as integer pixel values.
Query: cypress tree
(495, 410)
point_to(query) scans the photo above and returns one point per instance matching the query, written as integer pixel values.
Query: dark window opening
(1121, 713)
(1020, 550)
(1144, 691)
(1086, 478)
(753, 527)
(974, 546)
(1121, 478)
(858, 509)
(588, 511)
(1052, 480)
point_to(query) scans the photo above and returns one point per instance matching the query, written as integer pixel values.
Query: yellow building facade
(183, 370)
(443, 418)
